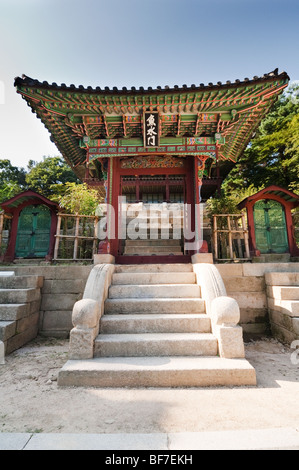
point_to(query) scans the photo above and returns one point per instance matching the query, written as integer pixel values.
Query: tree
(272, 157)
(79, 199)
(46, 176)
(12, 180)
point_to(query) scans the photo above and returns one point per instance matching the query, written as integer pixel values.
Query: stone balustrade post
(223, 311)
(88, 312)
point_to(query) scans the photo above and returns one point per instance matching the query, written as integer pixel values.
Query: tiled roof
(74, 115)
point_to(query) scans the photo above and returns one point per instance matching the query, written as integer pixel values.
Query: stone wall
(245, 282)
(62, 287)
(283, 305)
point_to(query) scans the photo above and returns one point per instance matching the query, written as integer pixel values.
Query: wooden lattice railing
(5, 221)
(230, 237)
(76, 237)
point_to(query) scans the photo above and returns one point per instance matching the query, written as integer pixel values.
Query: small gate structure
(270, 222)
(32, 229)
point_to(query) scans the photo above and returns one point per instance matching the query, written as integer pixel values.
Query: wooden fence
(76, 237)
(230, 237)
(5, 222)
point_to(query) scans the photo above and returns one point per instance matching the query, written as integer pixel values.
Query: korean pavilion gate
(140, 142)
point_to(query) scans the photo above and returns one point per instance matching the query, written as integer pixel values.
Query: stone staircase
(283, 304)
(159, 230)
(155, 333)
(153, 247)
(20, 298)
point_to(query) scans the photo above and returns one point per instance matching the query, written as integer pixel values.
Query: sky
(133, 43)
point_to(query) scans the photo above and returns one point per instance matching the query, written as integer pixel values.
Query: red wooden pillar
(113, 212)
(137, 189)
(199, 166)
(189, 206)
(167, 195)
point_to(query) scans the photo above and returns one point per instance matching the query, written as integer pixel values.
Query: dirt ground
(30, 400)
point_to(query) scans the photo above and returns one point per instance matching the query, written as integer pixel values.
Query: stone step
(156, 323)
(155, 291)
(152, 249)
(154, 268)
(282, 279)
(13, 311)
(155, 344)
(159, 242)
(283, 292)
(7, 330)
(154, 253)
(157, 372)
(21, 282)
(153, 278)
(153, 231)
(165, 217)
(18, 295)
(166, 305)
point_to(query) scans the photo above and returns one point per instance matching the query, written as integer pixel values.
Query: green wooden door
(270, 227)
(33, 237)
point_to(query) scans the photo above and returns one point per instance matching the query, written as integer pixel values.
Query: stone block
(250, 299)
(202, 258)
(81, 344)
(153, 278)
(27, 323)
(2, 354)
(289, 323)
(282, 334)
(230, 342)
(230, 270)
(154, 268)
(244, 284)
(282, 279)
(155, 344)
(103, 259)
(19, 296)
(14, 311)
(157, 372)
(288, 307)
(154, 291)
(7, 330)
(191, 305)
(17, 341)
(283, 292)
(259, 269)
(255, 330)
(69, 286)
(58, 320)
(252, 315)
(59, 301)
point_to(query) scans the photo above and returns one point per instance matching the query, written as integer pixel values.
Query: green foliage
(273, 155)
(223, 204)
(79, 199)
(45, 176)
(228, 203)
(52, 178)
(12, 180)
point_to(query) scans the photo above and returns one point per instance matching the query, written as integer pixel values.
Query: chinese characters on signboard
(151, 129)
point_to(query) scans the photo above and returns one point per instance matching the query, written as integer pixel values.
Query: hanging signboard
(151, 129)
